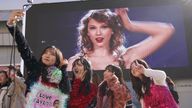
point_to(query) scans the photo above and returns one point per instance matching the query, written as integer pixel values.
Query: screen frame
(176, 72)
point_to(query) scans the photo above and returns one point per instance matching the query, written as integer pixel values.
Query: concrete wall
(184, 88)
(5, 55)
(6, 42)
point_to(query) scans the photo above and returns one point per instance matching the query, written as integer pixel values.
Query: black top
(35, 68)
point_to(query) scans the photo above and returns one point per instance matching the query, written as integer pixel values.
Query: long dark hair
(103, 86)
(145, 83)
(138, 83)
(88, 75)
(64, 84)
(171, 86)
(118, 72)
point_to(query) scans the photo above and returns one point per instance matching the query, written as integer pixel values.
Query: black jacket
(35, 68)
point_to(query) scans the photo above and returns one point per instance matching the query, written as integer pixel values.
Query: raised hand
(139, 67)
(123, 14)
(14, 17)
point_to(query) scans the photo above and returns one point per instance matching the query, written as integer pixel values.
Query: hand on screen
(123, 15)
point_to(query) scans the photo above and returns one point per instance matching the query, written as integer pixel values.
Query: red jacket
(78, 100)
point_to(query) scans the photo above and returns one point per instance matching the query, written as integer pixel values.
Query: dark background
(56, 23)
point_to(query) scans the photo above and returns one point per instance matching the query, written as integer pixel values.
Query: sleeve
(29, 60)
(23, 47)
(158, 76)
(65, 84)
